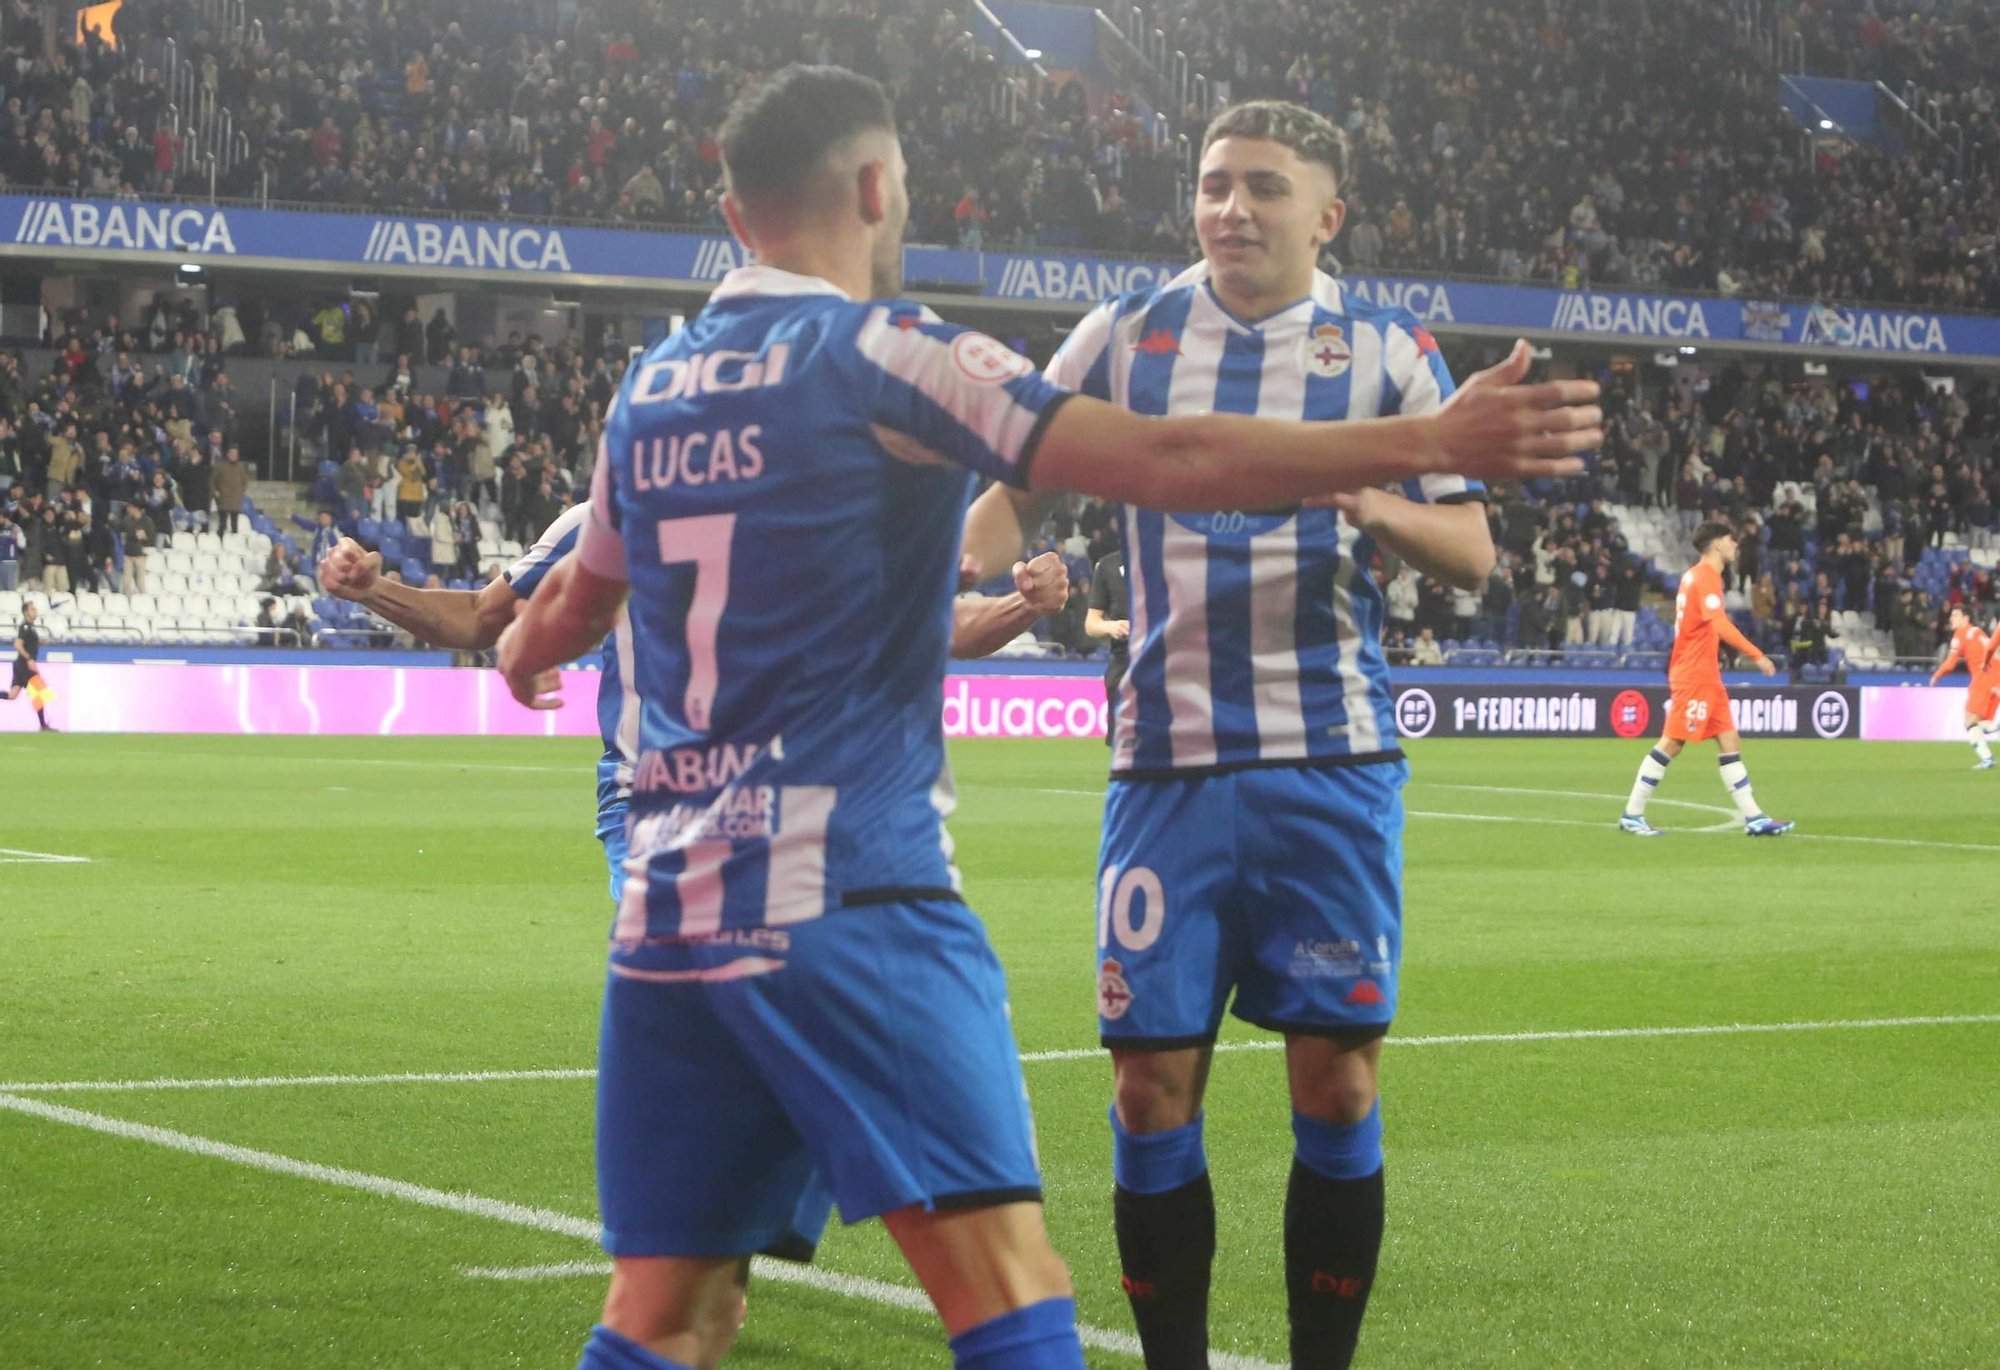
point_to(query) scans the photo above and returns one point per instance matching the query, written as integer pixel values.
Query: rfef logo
(1416, 713)
(1831, 714)
(1630, 713)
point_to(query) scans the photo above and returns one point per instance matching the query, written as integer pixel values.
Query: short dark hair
(1709, 531)
(776, 136)
(1313, 136)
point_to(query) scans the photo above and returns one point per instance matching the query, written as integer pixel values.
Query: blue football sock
(1340, 1151)
(608, 1350)
(1159, 1161)
(1041, 1336)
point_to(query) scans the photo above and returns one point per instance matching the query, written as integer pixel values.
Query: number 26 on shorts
(1132, 906)
(1697, 711)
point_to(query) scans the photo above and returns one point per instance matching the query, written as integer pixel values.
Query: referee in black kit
(28, 646)
(1110, 618)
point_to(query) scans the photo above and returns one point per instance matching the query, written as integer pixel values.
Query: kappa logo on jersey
(988, 360)
(1365, 992)
(1114, 996)
(1327, 352)
(1158, 343)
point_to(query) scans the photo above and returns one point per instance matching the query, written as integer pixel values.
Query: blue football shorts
(747, 1077)
(1281, 886)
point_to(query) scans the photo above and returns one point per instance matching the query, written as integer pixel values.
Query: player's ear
(871, 183)
(1331, 216)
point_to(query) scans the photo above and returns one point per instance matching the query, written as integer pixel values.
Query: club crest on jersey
(1114, 996)
(1327, 354)
(988, 360)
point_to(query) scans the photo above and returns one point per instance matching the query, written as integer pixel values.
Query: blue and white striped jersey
(784, 487)
(1256, 637)
(617, 705)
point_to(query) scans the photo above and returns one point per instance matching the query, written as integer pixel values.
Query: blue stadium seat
(414, 571)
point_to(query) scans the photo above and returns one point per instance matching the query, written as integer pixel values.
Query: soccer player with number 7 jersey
(1699, 707)
(797, 992)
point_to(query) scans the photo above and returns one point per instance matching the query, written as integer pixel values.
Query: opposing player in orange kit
(1980, 652)
(1699, 707)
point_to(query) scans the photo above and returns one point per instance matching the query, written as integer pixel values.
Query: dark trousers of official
(1114, 676)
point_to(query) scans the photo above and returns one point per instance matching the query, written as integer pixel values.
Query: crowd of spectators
(113, 450)
(528, 109)
(1577, 141)
(1571, 140)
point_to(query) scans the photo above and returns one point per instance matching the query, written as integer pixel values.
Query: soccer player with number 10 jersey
(797, 992)
(1252, 849)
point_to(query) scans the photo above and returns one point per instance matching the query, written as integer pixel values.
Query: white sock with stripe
(1976, 735)
(1651, 771)
(1736, 778)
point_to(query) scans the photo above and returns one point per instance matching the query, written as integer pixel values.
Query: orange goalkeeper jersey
(1970, 645)
(1701, 624)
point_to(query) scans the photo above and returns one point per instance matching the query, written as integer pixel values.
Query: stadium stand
(1571, 142)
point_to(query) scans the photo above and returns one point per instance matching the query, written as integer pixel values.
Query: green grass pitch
(1824, 1195)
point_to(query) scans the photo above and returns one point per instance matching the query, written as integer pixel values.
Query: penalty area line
(1452, 1039)
(520, 1215)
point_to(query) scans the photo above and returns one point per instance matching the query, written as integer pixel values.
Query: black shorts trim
(1308, 763)
(900, 894)
(986, 1198)
(1025, 463)
(1204, 1039)
(1463, 497)
(791, 1247)
(1347, 1034)
(23, 673)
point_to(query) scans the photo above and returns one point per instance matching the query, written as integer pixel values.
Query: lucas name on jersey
(689, 459)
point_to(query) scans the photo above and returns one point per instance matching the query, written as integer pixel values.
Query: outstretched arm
(1214, 461)
(463, 620)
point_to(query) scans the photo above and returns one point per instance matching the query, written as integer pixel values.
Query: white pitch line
(10, 856)
(1028, 1057)
(453, 1077)
(521, 1215)
(542, 1219)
